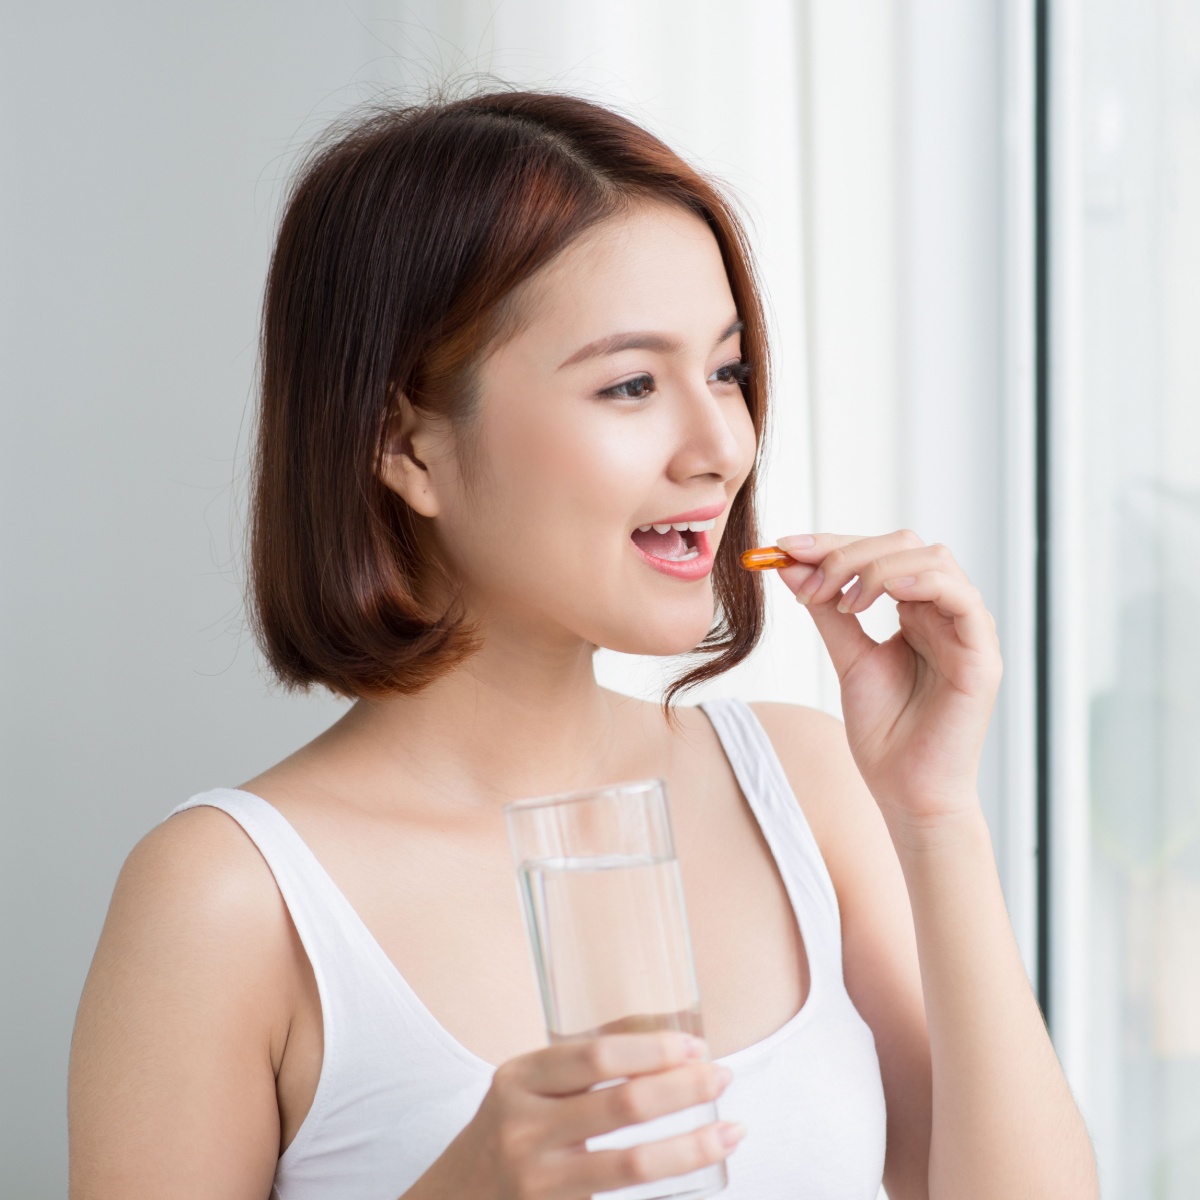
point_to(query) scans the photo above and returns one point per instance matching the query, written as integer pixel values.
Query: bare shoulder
(797, 724)
(811, 747)
(196, 909)
(198, 873)
(183, 1017)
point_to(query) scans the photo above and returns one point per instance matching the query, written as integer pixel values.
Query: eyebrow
(615, 342)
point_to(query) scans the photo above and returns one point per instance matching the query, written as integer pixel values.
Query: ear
(409, 446)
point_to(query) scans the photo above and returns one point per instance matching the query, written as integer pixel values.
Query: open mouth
(678, 542)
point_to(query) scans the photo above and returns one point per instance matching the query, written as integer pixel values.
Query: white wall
(144, 149)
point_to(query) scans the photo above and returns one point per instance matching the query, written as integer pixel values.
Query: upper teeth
(682, 526)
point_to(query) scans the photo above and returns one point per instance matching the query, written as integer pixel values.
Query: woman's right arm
(182, 1023)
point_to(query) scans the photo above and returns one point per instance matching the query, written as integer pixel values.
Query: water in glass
(613, 956)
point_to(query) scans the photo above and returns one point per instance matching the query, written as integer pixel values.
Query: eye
(637, 388)
(734, 372)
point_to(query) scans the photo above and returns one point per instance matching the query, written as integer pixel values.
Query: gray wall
(143, 149)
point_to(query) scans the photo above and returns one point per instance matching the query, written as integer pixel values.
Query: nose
(715, 436)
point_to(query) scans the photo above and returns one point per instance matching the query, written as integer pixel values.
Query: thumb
(843, 635)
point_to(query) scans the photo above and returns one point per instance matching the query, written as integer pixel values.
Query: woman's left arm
(1002, 1121)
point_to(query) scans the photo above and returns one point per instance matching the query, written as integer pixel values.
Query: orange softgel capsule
(766, 558)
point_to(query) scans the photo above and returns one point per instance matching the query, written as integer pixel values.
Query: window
(1124, 461)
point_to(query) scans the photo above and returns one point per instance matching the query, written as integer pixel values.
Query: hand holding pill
(916, 706)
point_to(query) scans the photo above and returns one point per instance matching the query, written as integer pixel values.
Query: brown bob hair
(402, 237)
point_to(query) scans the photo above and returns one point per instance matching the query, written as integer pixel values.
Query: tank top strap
(765, 785)
(334, 938)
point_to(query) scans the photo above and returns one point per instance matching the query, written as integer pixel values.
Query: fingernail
(732, 1134)
(798, 541)
(846, 603)
(695, 1048)
(808, 588)
(724, 1075)
(900, 584)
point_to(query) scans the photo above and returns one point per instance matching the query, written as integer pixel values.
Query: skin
(198, 1043)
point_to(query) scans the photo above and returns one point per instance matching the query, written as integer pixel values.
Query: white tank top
(396, 1088)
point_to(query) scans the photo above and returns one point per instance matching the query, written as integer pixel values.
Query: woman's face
(617, 406)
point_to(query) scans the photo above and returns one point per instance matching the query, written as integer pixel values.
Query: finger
(795, 575)
(842, 563)
(607, 1170)
(641, 1098)
(576, 1065)
(844, 637)
(904, 563)
(956, 599)
(812, 547)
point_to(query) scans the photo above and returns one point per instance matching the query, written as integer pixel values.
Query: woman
(514, 387)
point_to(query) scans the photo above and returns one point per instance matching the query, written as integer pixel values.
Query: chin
(667, 634)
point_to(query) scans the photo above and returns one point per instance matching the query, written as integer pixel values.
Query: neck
(520, 718)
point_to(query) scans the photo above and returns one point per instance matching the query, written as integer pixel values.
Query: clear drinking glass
(603, 902)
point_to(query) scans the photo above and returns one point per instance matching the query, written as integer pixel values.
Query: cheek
(550, 496)
(574, 474)
(741, 425)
